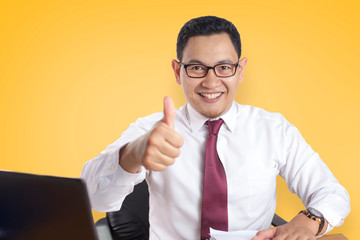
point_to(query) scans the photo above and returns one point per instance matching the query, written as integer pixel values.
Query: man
(171, 149)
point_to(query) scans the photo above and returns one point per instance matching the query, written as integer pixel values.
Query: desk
(337, 236)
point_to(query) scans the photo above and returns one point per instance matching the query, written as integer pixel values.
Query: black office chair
(131, 222)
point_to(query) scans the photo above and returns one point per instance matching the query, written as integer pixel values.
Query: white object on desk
(233, 235)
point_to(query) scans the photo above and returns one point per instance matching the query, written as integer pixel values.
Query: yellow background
(75, 74)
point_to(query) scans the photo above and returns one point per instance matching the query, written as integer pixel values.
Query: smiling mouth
(210, 95)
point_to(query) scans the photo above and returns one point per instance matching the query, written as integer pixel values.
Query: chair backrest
(131, 222)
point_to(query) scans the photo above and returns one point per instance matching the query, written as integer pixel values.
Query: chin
(211, 114)
(211, 110)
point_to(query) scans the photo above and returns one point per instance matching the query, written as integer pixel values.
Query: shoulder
(256, 113)
(150, 119)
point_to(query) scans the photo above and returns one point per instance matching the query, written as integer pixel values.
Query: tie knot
(214, 126)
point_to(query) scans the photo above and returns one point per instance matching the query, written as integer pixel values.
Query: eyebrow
(195, 61)
(192, 61)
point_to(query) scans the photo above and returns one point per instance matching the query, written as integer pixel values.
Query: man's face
(211, 96)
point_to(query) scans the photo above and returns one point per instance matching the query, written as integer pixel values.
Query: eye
(196, 67)
(225, 67)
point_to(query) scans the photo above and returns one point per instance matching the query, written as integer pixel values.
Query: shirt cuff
(124, 177)
(115, 176)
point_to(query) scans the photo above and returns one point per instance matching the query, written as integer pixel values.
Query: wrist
(128, 157)
(302, 221)
(316, 216)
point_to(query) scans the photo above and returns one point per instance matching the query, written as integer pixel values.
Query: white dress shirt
(254, 147)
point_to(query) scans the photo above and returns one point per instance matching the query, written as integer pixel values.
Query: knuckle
(177, 153)
(146, 161)
(158, 167)
(160, 128)
(171, 161)
(149, 152)
(162, 168)
(146, 164)
(152, 141)
(180, 141)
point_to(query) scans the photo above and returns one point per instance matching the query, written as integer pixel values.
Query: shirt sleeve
(107, 182)
(308, 177)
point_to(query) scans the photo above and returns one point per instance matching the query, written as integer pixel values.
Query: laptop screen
(44, 207)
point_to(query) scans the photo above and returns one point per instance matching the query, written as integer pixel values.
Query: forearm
(309, 177)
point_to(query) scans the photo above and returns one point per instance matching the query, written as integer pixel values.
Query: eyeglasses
(223, 70)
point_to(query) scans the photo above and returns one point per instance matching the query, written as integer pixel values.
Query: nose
(211, 81)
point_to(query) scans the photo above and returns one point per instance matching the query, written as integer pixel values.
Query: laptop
(44, 207)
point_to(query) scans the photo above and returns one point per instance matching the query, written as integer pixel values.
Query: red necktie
(214, 207)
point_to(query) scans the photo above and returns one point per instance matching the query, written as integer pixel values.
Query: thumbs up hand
(169, 112)
(158, 148)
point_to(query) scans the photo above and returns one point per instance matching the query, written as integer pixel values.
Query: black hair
(205, 26)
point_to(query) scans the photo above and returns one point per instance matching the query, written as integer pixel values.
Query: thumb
(169, 112)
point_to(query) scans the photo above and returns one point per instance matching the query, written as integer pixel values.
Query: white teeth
(210, 95)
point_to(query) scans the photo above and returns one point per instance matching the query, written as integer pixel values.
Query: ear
(242, 64)
(176, 67)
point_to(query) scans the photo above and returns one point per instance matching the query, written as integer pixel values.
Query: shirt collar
(197, 120)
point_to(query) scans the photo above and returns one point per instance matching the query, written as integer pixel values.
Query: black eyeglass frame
(236, 65)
